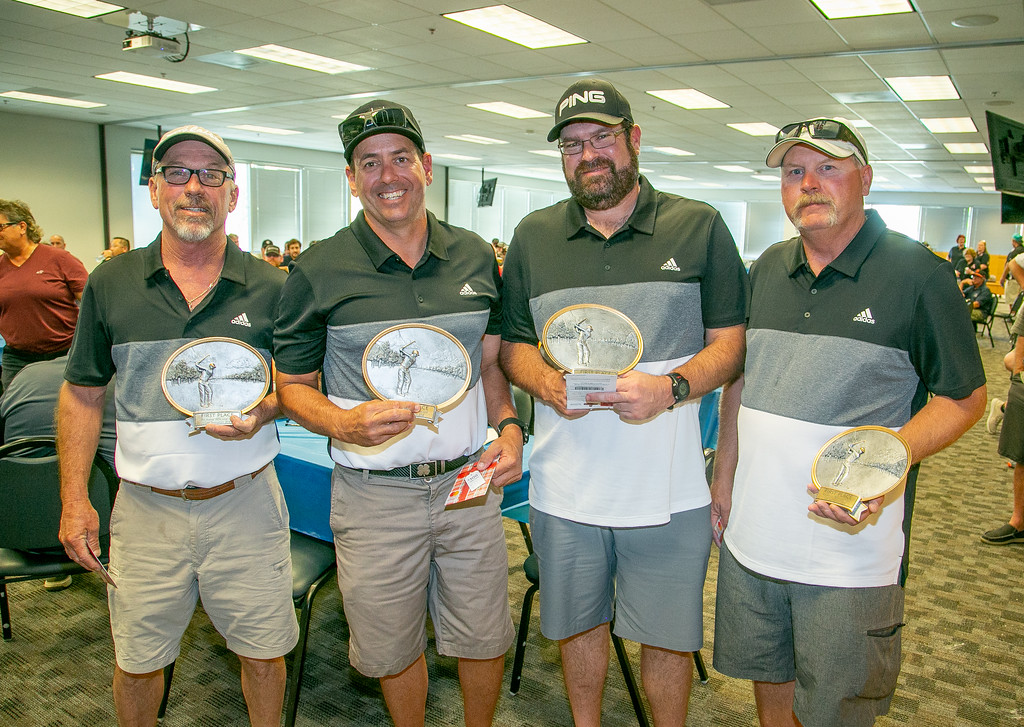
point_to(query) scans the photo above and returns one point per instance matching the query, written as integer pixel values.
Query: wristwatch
(680, 388)
(512, 420)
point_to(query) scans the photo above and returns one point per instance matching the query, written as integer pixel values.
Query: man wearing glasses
(619, 501)
(401, 553)
(850, 324)
(198, 513)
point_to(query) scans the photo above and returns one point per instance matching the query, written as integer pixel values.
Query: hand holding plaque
(212, 379)
(419, 363)
(592, 344)
(858, 465)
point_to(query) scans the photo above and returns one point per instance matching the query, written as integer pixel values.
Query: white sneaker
(57, 584)
(995, 415)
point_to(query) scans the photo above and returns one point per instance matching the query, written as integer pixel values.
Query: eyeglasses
(598, 141)
(207, 177)
(352, 127)
(828, 129)
(5, 225)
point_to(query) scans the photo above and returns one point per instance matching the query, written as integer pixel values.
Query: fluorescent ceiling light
(79, 8)
(474, 139)
(986, 188)
(765, 177)
(923, 88)
(757, 128)
(689, 98)
(677, 178)
(837, 9)
(711, 184)
(985, 180)
(913, 147)
(302, 59)
(861, 123)
(516, 26)
(456, 157)
(508, 109)
(162, 84)
(967, 148)
(547, 153)
(950, 125)
(214, 112)
(879, 178)
(56, 100)
(672, 151)
(978, 169)
(263, 129)
(735, 168)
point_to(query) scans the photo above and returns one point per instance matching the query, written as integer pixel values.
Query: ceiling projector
(151, 43)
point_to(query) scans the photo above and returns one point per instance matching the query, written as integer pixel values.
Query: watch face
(680, 388)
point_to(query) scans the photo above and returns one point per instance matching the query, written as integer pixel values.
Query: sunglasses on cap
(352, 127)
(825, 129)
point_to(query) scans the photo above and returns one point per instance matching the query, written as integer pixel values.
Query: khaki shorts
(232, 551)
(401, 553)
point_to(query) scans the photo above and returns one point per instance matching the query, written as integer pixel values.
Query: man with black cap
(199, 513)
(851, 324)
(400, 551)
(619, 501)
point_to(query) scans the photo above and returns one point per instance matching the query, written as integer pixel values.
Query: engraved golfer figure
(584, 331)
(404, 368)
(205, 388)
(853, 453)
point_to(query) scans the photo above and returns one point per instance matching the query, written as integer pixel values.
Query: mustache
(592, 165)
(814, 198)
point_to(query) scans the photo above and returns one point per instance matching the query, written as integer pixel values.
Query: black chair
(986, 323)
(30, 515)
(532, 572)
(313, 564)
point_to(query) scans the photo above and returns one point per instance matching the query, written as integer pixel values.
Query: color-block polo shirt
(674, 270)
(862, 343)
(133, 317)
(345, 290)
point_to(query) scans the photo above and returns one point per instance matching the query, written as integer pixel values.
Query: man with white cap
(198, 513)
(850, 324)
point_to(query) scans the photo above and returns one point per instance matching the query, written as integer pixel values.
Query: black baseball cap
(592, 99)
(378, 117)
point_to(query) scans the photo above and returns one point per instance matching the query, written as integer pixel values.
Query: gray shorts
(840, 645)
(232, 551)
(652, 578)
(400, 553)
(1011, 436)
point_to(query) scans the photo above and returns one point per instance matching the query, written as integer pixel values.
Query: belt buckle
(185, 489)
(424, 470)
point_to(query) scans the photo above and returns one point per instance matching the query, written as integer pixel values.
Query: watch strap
(518, 422)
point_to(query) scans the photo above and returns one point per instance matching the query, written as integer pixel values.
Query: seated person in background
(27, 409)
(58, 241)
(978, 296)
(118, 246)
(981, 260)
(293, 247)
(272, 254)
(964, 267)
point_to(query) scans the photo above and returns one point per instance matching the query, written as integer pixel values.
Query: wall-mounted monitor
(487, 187)
(1006, 142)
(147, 161)
(1012, 209)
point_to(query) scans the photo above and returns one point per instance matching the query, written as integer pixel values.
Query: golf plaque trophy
(417, 362)
(592, 344)
(212, 379)
(860, 464)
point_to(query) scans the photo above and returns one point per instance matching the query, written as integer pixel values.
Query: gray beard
(605, 193)
(193, 231)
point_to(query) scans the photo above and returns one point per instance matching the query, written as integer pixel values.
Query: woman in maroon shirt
(40, 286)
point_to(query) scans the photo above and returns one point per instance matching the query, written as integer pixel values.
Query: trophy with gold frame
(860, 464)
(212, 379)
(592, 344)
(417, 362)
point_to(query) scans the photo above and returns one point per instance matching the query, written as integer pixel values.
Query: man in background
(978, 296)
(293, 248)
(618, 499)
(850, 324)
(1011, 289)
(118, 246)
(58, 241)
(272, 255)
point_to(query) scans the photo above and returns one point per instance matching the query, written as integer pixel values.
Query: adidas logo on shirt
(864, 317)
(466, 290)
(241, 320)
(670, 264)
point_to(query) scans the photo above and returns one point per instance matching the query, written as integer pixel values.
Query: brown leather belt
(203, 493)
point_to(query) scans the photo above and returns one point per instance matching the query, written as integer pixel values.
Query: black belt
(424, 469)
